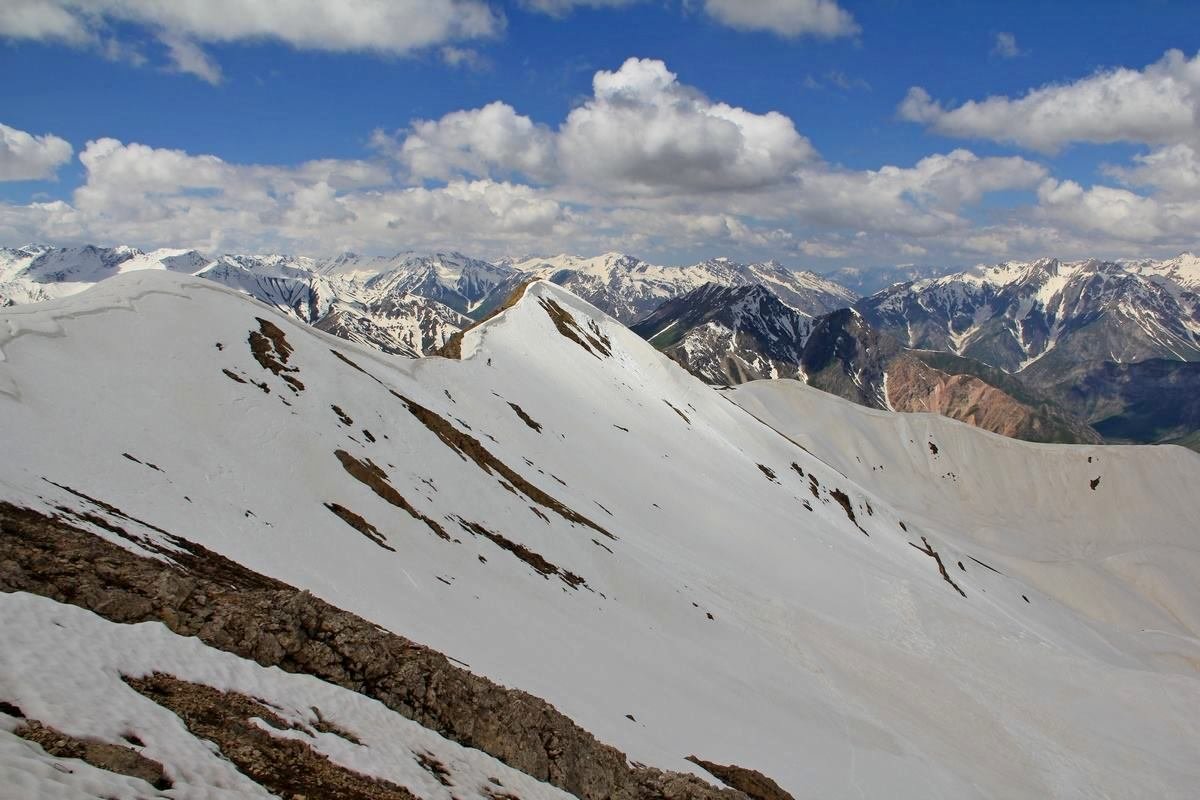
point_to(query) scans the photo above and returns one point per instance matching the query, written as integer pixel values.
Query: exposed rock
(102, 755)
(285, 767)
(752, 782)
(237, 610)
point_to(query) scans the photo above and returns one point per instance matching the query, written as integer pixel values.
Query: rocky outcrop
(101, 755)
(752, 782)
(200, 593)
(286, 767)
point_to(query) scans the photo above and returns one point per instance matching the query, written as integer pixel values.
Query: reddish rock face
(914, 386)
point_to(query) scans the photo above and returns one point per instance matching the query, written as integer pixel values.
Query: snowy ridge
(728, 335)
(407, 304)
(453, 279)
(403, 305)
(757, 583)
(629, 289)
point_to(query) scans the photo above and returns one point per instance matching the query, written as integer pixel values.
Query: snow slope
(690, 577)
(37, 272)
(392, 304)
(1030, 509)
(63, 666)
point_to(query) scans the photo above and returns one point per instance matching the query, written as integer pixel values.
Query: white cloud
(466, 57)
(1156, 105)
(42, 20)
(25, 157)
(382, 26)
(560, 8)
(188, 58)
(1173, 170)
(784, 17)
(644, 132)
(160, 197)
(646, 163)
(494, 139)
(641, 133)
(1005, 46)
(922, 200)
(1119, 213)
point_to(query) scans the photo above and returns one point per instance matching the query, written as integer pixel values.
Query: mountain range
(1043, 350)
(1110, 342)
(243, 558)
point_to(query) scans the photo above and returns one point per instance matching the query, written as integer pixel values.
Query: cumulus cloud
(42, 20)
(1173, 170)
(494, 139)
(381, 26)
(1157, 105)
(1119, 213)
(1155, 206)
(645, 163)
(26, 157)
(788, 18)
(642, 133)
(159, 197)
(922, 200)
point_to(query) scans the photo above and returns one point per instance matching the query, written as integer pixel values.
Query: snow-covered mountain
(40, 272)
(629, 289)
(846, 601)
(843, 355)
(1016, 315)
(283, 282)
(403, 305)
(407, 304)
(735, 335)
(729, 334)
(456, 281)
(1113, 343)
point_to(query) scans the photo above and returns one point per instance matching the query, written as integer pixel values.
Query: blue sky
(300, 133)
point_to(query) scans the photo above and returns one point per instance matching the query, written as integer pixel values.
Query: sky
(820, 133)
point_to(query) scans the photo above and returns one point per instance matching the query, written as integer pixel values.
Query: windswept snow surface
(719, 611)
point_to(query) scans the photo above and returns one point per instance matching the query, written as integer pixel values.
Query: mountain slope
(35, 273)
(452, 279)
(1149, 401)
(628, 288)
(730, 336)
(402, 306)
(727, 335)
(1025, 502)
(1014, 315)
(571, 514)
(845, 356)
